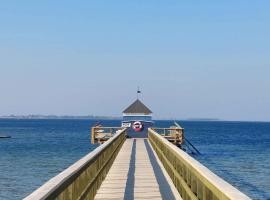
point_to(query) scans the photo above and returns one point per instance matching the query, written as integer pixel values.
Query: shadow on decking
(164, 186)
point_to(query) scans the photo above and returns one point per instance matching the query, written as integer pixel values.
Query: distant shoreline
(56, 117)
(93, 117)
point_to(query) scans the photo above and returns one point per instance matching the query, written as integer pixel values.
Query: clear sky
(203, 59)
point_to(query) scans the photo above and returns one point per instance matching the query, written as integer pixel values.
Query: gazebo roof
(137, 107)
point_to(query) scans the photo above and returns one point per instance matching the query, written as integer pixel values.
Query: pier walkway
(137, 174)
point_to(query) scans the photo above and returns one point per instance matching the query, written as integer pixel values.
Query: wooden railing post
(93, 135)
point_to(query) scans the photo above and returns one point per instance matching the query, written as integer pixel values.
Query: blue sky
(203, 59)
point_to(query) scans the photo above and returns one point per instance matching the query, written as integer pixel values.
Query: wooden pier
(150, 168)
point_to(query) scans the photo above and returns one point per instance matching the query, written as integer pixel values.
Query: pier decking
(137, 174)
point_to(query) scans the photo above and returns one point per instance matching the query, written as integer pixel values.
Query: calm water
(39, 149)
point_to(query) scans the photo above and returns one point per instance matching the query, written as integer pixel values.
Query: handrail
(82, 179)
(171, 128)
(104, 135)
(192, 179)
(173, 134)
(188, 142)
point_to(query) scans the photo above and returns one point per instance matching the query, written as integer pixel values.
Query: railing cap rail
(114, 127)
(172, 128)
(54, 183)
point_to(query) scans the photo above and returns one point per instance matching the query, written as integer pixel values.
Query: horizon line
(52, 116)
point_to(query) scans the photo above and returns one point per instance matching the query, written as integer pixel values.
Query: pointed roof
(137, 107)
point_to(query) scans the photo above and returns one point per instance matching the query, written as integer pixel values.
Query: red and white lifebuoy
(137, 126)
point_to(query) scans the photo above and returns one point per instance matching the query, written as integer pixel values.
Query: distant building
(137, 111)
(137, 118)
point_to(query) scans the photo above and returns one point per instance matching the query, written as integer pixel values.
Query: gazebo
(137, 118)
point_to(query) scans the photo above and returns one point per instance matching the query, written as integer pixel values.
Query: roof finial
(138, 92)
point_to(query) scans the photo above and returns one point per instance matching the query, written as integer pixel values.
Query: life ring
(137, 126)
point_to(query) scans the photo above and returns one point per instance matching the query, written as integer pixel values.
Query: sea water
(239, 152)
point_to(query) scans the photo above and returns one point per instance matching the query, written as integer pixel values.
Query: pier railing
(100, 134)
(193, 180)
(82, 179)
(173, 134)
